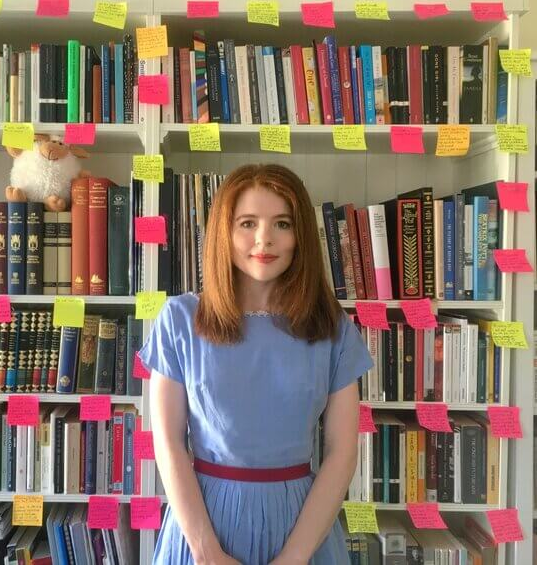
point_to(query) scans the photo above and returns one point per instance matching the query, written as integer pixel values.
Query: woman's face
(262, 225)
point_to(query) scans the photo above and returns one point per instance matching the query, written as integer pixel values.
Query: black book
(3, 247)
(390, 360)
(471, 99)
(213, 83)
(165, 252)
(61, 83)
(409, 362)
(391, 60)
(34, 248)
(253, 84)
(120, 386)
(119, 240)
(445, 464)
(438, 90)
(280, 85)
(58, 433)
(135, 341)
(105, 357)
(402, 83)
(91, 59)
(394, 430)
(128, 78)
(47, 83)
(334, 249)
(90, 457)
(232, 84)
(378, 464)
(32, 338)
(177, 105)
(22, 350)
(16, 256)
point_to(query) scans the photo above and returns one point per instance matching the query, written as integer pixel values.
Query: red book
(138, 462)
(117, 451)
(186, 94)
(346, 84)
(415, 93)
(355, 252)
(418, 364)
(325, 90)
(80, 236)
(299, 84)
(364, 235)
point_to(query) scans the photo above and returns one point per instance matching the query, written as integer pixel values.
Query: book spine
(226, 117)
(73, 80)
(98, 236)
(105, 83)
(346, 88)
(64, 252)
(438, 214)
(355, 252)
(335, 84)
(3, 247)
(47, 83)
(22, 351)
(354, 85)
(379, 244)
(409, 248)
(325, 90)
(105, 357)
(449, 251)
(272, 87)
(312, 88)
(50, 253)
(119, 240)
(431, 492)
(54, 353)
(471, 94)
(426, 86)
(39, 361)
(16, 259)
(31, 352)
(34, 248)
(121, 360)
(366, 56)
(438, 85)
(364, 234)
(119, 96)
(90, 460)
(253, 85)
(134, 344)
(288, 83)
(61, 83)
(233, 90)
(117, 451)
(492, 239)
(128, 452)
(334, 249)
(299, 83)
(213, 84)
(67, 360)
(167, 110)
(480, 228)
(80, 236)
(378, 84)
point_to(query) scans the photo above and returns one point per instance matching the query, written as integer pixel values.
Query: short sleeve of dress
(160, 351)
(352, 357)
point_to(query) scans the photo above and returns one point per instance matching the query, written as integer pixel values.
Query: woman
(249, 365)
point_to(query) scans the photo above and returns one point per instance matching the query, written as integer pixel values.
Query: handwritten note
(512, 138)
(145, 512)
(263, 13)
(148, 167)
(516, 61)
(202, 9)
(488, 11)
(52, 8)
(418, 313)
(138, 370)
(19, 136)
(68, 311)
(505, 421)
(509, 334)
(512, 261)
(111, 14)
(150, 229)
(149, 303)
(95, 407)
(152, 41)
(275, 138)
(452, 140)
(366, 424)
(372, 315)
(425, 515)
(103, 512)
(513, 196)
(349, 137)
(319, 14)
(5, 308)
(407, 139)
(23, 410)
(427, 11)
(204, 137)
(372, 10)
(433, 416)
(153, 89)
(505, 525)
(79, 134)
(361, 517)
(27, 510)
(143, 445)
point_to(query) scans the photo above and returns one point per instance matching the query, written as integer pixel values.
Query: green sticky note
(509, 334)
(350, 137)
(275, 138)
(516, 61)
(361, 517)
(68, 311)
(148, 167)
(372, 10)
(204, 137)
(512, 138)
(20, 136)
(111, 14)
(149, 303)
(263, 13)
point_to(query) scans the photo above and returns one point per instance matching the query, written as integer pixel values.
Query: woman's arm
(323, 503)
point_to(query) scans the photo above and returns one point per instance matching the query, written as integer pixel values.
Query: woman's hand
(220, 559)
(282, 560)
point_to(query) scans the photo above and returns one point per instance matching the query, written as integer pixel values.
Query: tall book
(202, 99)
(50, 253)
(67, 360)
(379, 243)
(105, 356)
(16, 256)
(73, 80)
(64, 252)
(34, 248)
(3, 247)
(80, 236)
(85, 381)
(119, 240)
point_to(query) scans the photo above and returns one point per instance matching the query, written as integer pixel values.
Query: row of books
(36, 356)
(457, 362)
(219, 81)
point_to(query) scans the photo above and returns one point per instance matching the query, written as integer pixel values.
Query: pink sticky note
(153, 89)
(505, 525)
(138, 370)
(418, 313)
(512, 261)
(407, 139)
(488, 11)
(95, 407)
(426, 11)
(103, 512)
(366, 423)
(505, 421)
(433, 416)
(145, 513)
(202, 9)
(425, 515)
(319, 14)
(143, 445)
(150, 229)
(79, 134)
(372, 315)
(52, 8)
(23, 410)
(5, 308)
(513, 196)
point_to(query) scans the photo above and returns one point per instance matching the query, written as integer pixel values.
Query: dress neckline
(248, 313)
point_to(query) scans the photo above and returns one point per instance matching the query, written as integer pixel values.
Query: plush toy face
(52, 148)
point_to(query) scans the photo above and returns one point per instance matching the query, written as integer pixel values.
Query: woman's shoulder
(182, 307)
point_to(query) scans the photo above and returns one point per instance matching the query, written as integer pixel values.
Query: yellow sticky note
(148, 167)
(509, 334)
(17, 135)
(512, 138)
(275, 138)
(372, 10)
(204, 137)
(361, 517)
(152, 41)
(351, 137)
(27, 510)
(263, 13)
(111, 14)
(149, 303)
(452, 140)
(516, 61)
(68, 311)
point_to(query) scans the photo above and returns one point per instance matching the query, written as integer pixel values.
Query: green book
(73, 81)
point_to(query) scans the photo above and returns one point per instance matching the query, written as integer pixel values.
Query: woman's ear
(78, 152)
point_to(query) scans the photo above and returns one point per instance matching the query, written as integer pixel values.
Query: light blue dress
(252, 404)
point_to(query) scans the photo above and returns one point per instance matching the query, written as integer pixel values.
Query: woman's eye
(284, 224)
(246, 222)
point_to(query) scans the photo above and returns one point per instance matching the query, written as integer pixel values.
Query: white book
(22, 445)
(167, 69)
(241, 59)
(319, 218)
(447, 363)
(453, 84)
(485, 86)
(270, 81)
(22, 86)
(289, 85)
(379, 244)
(456, 364)
(462, 323)
(260, 70)
(373, 373)
(71, 456)
(457, 489)
(428, 364)
(378, 83)
(30, 459)
(473, 331)
(142, 70)
(58, 412)
(101, 483)
(82, 89)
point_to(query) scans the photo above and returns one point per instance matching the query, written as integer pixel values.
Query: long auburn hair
(301, 293)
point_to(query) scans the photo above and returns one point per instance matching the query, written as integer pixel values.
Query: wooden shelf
(409, 405)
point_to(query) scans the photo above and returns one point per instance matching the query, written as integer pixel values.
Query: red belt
(255, 475)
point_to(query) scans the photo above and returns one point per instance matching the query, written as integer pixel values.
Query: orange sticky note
(433, 416)
(23, 410)
(145, 512)
(79, 134)
(318, 14)
(103, 512)
(372, 315)
(138, 370)
(512, 261)
(407, 139)
(427, 11)
(143, 445)
(152, 41)
(95, 407)
(366, 424)
(202, 9)
(150, 229)
(27, 510)
(513, 196)
(418, 313)
(505, 421)
(452, 140)
(505, 525)
(425, 515)
(488, 11)
(153, 89)
(52, 8)
(5, 308)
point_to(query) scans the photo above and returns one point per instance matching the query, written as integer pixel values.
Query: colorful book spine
(480, 228)
(366, 55)
(334, 250)
(381, 259)
(67, 360)
(73, 80)
(105, 83)
(119, 84)
(449, 250)
(335, 83)
(202, 99)
(16, 256)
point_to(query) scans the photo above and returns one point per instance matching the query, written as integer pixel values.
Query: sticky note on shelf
(153, 89)
(372, 10)
(512, 138)
(509, 334)
(5, 309)
(143, 445)
(263, 13)
(138, 370)
(452, 140)
(419, 314)
(202, 9)
(152, 41)
(111, 14)
(428, 11)
(79, 134)
(361, 517)
(512, 261)
(516, 61)
(19, 136)
(366, 424)
(505, 421)
(68, 311)
(505, 525)
(23, 410)
(145, 512)
(275, 138)
(425, 515)
(52, 8)
(407, 139)
(488, 11)
(349, 137)
(27, 510)
(149, 303)
(433, 416)
(318, 14)
(150, 229)
(103, 512)
(148, 167)
(95, 407)
(513, 196)
(204, 137)
(372, 315)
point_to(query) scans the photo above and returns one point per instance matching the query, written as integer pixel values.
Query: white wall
(528, 25)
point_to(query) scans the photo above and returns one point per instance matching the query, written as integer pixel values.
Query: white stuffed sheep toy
(45, 173)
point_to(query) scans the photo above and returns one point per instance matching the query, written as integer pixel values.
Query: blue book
(335, 83)
(354, 84)
(493, 243)
(449, 250)
(334, 248)
(223, 83)
(366, 55)
(480, 271)
(16, 251)
(118, 82)
(13, 351)
(458, 200)
(501, 96)
(497, 372)
(90, 463)
(105, 83)
(129, 422)
(59, 538)
(67, 360)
